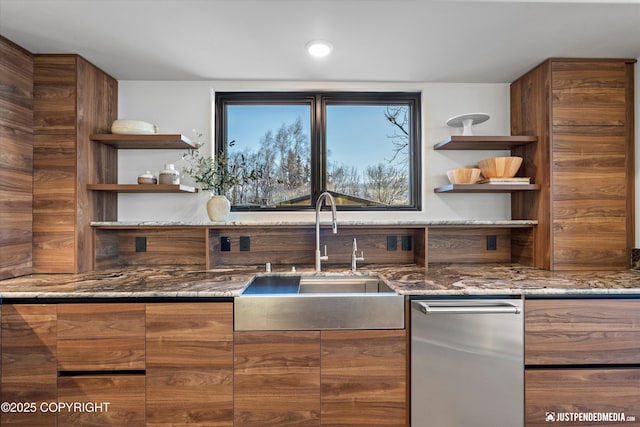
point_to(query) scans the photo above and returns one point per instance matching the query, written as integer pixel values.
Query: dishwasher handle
(490, 308)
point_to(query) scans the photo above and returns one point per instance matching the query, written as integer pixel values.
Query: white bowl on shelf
(133, 127)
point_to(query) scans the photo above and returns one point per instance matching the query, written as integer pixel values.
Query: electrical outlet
(141, 244)
(492, 243)
(406, 243)
(245, 243)
(225, 244)
(392, 243)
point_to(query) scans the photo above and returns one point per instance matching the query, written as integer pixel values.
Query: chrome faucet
(334, 227)
(354, 256)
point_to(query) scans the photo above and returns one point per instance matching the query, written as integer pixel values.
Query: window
(363, 147)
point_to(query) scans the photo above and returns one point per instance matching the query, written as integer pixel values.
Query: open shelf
(481, 142)
(143, 188)
(152, 141)
(486, 188)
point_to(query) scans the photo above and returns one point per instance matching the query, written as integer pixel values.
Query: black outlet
(492, 243)
(245, 243)
(225, 244)
(141, 244)
(406, 243)
(392, 243)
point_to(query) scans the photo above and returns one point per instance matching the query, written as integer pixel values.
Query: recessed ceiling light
(319, 48)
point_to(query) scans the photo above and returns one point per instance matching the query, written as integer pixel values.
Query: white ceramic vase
(218, 208)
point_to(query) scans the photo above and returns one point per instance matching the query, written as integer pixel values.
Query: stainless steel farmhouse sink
(286, 302)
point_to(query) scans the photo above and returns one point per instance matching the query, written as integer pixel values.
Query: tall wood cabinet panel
(29, 372)
(189, 373)
(72, 99)
(582, 113)
(16, 161)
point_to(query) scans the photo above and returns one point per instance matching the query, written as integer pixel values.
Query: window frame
(318, 100)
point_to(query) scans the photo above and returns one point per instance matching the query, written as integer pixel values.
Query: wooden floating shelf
(151, 141)
(143, 188)
(481, 142)
(486, 188)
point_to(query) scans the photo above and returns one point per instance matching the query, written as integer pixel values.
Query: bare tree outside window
(367, 148)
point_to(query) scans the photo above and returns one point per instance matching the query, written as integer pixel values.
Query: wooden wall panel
(16, 161)
(364, 378)
(72, 100)
(277, 379)
(297, 245)
(179, 246)
(530, 110)
(468, 245)
(582, 112)
(587, 93)
(189, 364)
(29, 361)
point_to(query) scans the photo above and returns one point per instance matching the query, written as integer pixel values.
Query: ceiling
(374, 40)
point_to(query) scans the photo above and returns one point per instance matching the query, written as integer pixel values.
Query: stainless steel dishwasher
(467, 366)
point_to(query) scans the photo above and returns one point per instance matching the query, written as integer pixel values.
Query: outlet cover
(406, 243)
(492, 243)
(245, 243)
(141, 244)
(392, 243)
(225, 244)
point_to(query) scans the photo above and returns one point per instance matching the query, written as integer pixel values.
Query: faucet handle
(325, 250)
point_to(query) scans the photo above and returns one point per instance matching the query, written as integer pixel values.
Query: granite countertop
(311, 222)
(439, 279)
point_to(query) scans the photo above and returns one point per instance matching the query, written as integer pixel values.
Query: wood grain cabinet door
(582, 397)
(190, 364)
(28, 363)
(582, 332)
(101, 400)
(364, 378)
(277, 379)
(101, 337)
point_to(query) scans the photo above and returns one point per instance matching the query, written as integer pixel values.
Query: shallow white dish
(133, 127)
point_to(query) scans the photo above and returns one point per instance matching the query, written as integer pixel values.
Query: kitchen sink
(317, 302)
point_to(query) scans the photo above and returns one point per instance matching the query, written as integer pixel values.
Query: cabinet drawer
(124, 396)
(101, 337)
(582, 331)
(562, 393)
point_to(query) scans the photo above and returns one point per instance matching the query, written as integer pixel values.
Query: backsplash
(635, 258)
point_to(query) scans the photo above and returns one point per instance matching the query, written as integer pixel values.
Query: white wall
(180, 107)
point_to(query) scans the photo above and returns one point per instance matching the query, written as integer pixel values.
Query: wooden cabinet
(582, 112)
(101, 358)
(72, 99)
(314, 378)
(582, 356)
(189, 364)
(29, 372)
(16, 161)
(101, 337)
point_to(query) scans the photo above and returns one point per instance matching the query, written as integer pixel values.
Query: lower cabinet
(582, 360)
(101, 400)
(113, 364)
(320, 378)
(189, 374)
(29, 372)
